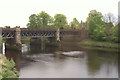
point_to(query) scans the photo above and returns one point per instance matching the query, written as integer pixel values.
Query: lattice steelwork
(38, 33)
(8, 32)
(25, 32)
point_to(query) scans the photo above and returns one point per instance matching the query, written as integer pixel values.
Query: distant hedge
(7, 68)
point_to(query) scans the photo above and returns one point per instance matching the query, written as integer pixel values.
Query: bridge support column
(58, 35)
(17, 35)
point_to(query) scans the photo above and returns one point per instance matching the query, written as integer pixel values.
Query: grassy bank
(99, 44)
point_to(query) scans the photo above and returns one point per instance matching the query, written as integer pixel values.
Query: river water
(35, 62)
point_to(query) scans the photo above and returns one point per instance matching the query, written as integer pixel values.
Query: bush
(0, 39)
(7, 69)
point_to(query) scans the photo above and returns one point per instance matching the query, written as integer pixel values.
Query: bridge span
(19, 33)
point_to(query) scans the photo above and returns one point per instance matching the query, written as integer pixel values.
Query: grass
(101, 48)
(99, 44)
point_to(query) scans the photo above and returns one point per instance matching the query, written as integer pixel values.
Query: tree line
(44, 20)
(100, 27)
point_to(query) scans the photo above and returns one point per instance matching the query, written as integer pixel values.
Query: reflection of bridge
(19, 33)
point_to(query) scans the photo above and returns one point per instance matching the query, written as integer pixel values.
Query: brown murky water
(34, 62)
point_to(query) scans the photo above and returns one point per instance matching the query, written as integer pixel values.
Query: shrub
(0, 39)
(7, 69)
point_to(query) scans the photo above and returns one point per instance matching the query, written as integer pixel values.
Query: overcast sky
(17, 12)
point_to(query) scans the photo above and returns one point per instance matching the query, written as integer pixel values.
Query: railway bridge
(18, 33)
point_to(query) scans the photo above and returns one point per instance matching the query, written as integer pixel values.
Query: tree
(115, 33)
(109, 18)
(111, 30)
(45, 19)
(74, 23)
(96, 26)
(41, 20)
(33, 22)
(94, 13)
(60, 20)
(82, 25)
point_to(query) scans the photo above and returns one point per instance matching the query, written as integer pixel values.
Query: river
(34, 62)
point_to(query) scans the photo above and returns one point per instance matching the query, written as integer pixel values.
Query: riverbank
(91, 44)
(8, 68)
(99, 44)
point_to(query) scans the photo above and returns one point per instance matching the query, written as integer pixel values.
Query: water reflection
(16, 56)
(3, 48)
(102, 62)
(33, 62)
(25, 48)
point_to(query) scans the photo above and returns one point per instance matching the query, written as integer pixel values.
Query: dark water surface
(36, 62)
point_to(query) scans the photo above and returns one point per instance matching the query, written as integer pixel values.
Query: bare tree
(110, 18)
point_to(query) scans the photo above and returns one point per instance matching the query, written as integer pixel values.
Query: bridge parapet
(69, 32)
(38, 32)
(26, 32)
(8, 32)
(19, 33)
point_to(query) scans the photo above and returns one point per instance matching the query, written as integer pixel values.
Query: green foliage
(0, 39)
(60, 20)
(8, 68)
(66, 27)
(94, 13)
(99, 27)
(112, 32)
(74, 23)
(32, 21)
(115, 34)
(99, 44)
(44, 20)
(41, 20)
(109, 25)
(101, 30)
(96, 26)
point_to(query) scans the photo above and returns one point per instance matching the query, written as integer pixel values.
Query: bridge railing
(38, 32)
(68, 32)
(26, 32)
(8, 32)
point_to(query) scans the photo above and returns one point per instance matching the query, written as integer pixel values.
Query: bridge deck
(25, 32)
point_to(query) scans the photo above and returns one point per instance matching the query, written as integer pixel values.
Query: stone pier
(58, 35)
(14, 43)
(17, 35)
